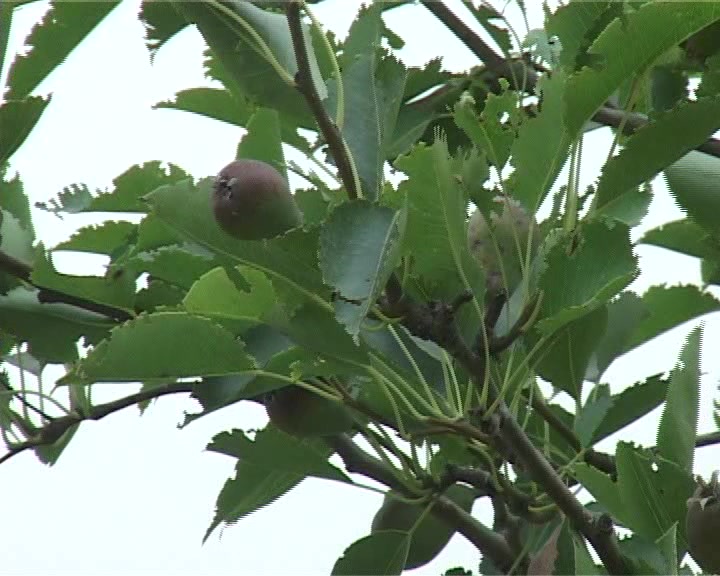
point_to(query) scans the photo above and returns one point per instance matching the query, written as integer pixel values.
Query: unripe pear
(432, 534)
(302, 413)
(702, 525)
(495, 244)
(252, 201)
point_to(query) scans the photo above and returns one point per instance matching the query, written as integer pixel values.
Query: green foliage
(376, 307)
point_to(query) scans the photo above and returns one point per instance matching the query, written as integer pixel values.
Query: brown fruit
(432, 534)
(702, 524)
(302, 413)
(495, 244)
(252, 201)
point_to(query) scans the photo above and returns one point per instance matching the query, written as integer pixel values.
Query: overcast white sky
(135, 495)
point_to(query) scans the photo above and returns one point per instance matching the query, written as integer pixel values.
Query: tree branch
(306, 86)
(53, 430)
(522, 77)
(488, 542)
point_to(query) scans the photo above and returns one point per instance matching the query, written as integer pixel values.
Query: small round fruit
(500, 244)
(431, 535)
(302, 413)
(702, 524)
(251, 201)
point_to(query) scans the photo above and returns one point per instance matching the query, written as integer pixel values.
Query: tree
(412, 329)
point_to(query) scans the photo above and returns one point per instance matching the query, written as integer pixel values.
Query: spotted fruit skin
(494, 244)
(302, 413)
(252, 201)
(432, 533)
(702, 525)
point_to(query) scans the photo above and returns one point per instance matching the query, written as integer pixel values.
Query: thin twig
(306, 86)
(53, 431)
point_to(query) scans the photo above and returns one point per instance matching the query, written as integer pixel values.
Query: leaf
(652, 30)
(693, 183)
(217, 297)
(630, 405)
(62, 29)
(603, 489)
(629, 208)
(668, 307)
(162, 21)
(359, 249)
(16, 241)
(247, 71)
(290, 261)
(487, 132)
(565, 358)
(105, 238)
(653, 494)
(684, 236)
(541, 146)
(272, 351)
(600, 267)
(114, 290)
(435, 235)
(381, 553)
(275, 450)
(624, 315)
(176, 265)
(592, 415)
(163, 345)
(263, 140)
(17, 119)
(679, 422)
(14, 200)
(126, 195)
(657, 145)
(226, 106)
(256, 486)
(52, 330)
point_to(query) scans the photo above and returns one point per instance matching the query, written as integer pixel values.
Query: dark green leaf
(62, 29)
(163, 345)
(263, 140)
(592, 415)
(17, 119)
(359, 249)
(679, 422)
(381, 553)
(103, 238)
(162, 21)
(659, 144)
(683, 236)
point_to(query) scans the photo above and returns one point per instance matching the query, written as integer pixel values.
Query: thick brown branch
(306, 86)
(487, 542)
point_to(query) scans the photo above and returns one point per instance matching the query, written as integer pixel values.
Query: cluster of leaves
(228, 320)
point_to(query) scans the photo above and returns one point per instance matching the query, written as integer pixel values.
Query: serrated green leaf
(176, 265)
(15, 240)
(62, 29)
(592, 414)
(599, 267)
(157, 294)
(667, 307)
(254, 487)
(14, 199)
(17, 119)
(693, 182)
(602, 488)
(628, 208)
(216, 296)
(359, 249)
(679, 422)
(383, 552)
(565, 358)
(263, 140)
(435, 235)
(630, 405)
(684, 236)
(275, 450)
(103, 238)
(624, 315)
(626, 47)
(51, 330)
(164, 345)
(162, 21)
(541, 147)
(657, 145)
(290, 261)
(653, 494)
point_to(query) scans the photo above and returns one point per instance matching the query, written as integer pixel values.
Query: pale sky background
(134, 495)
